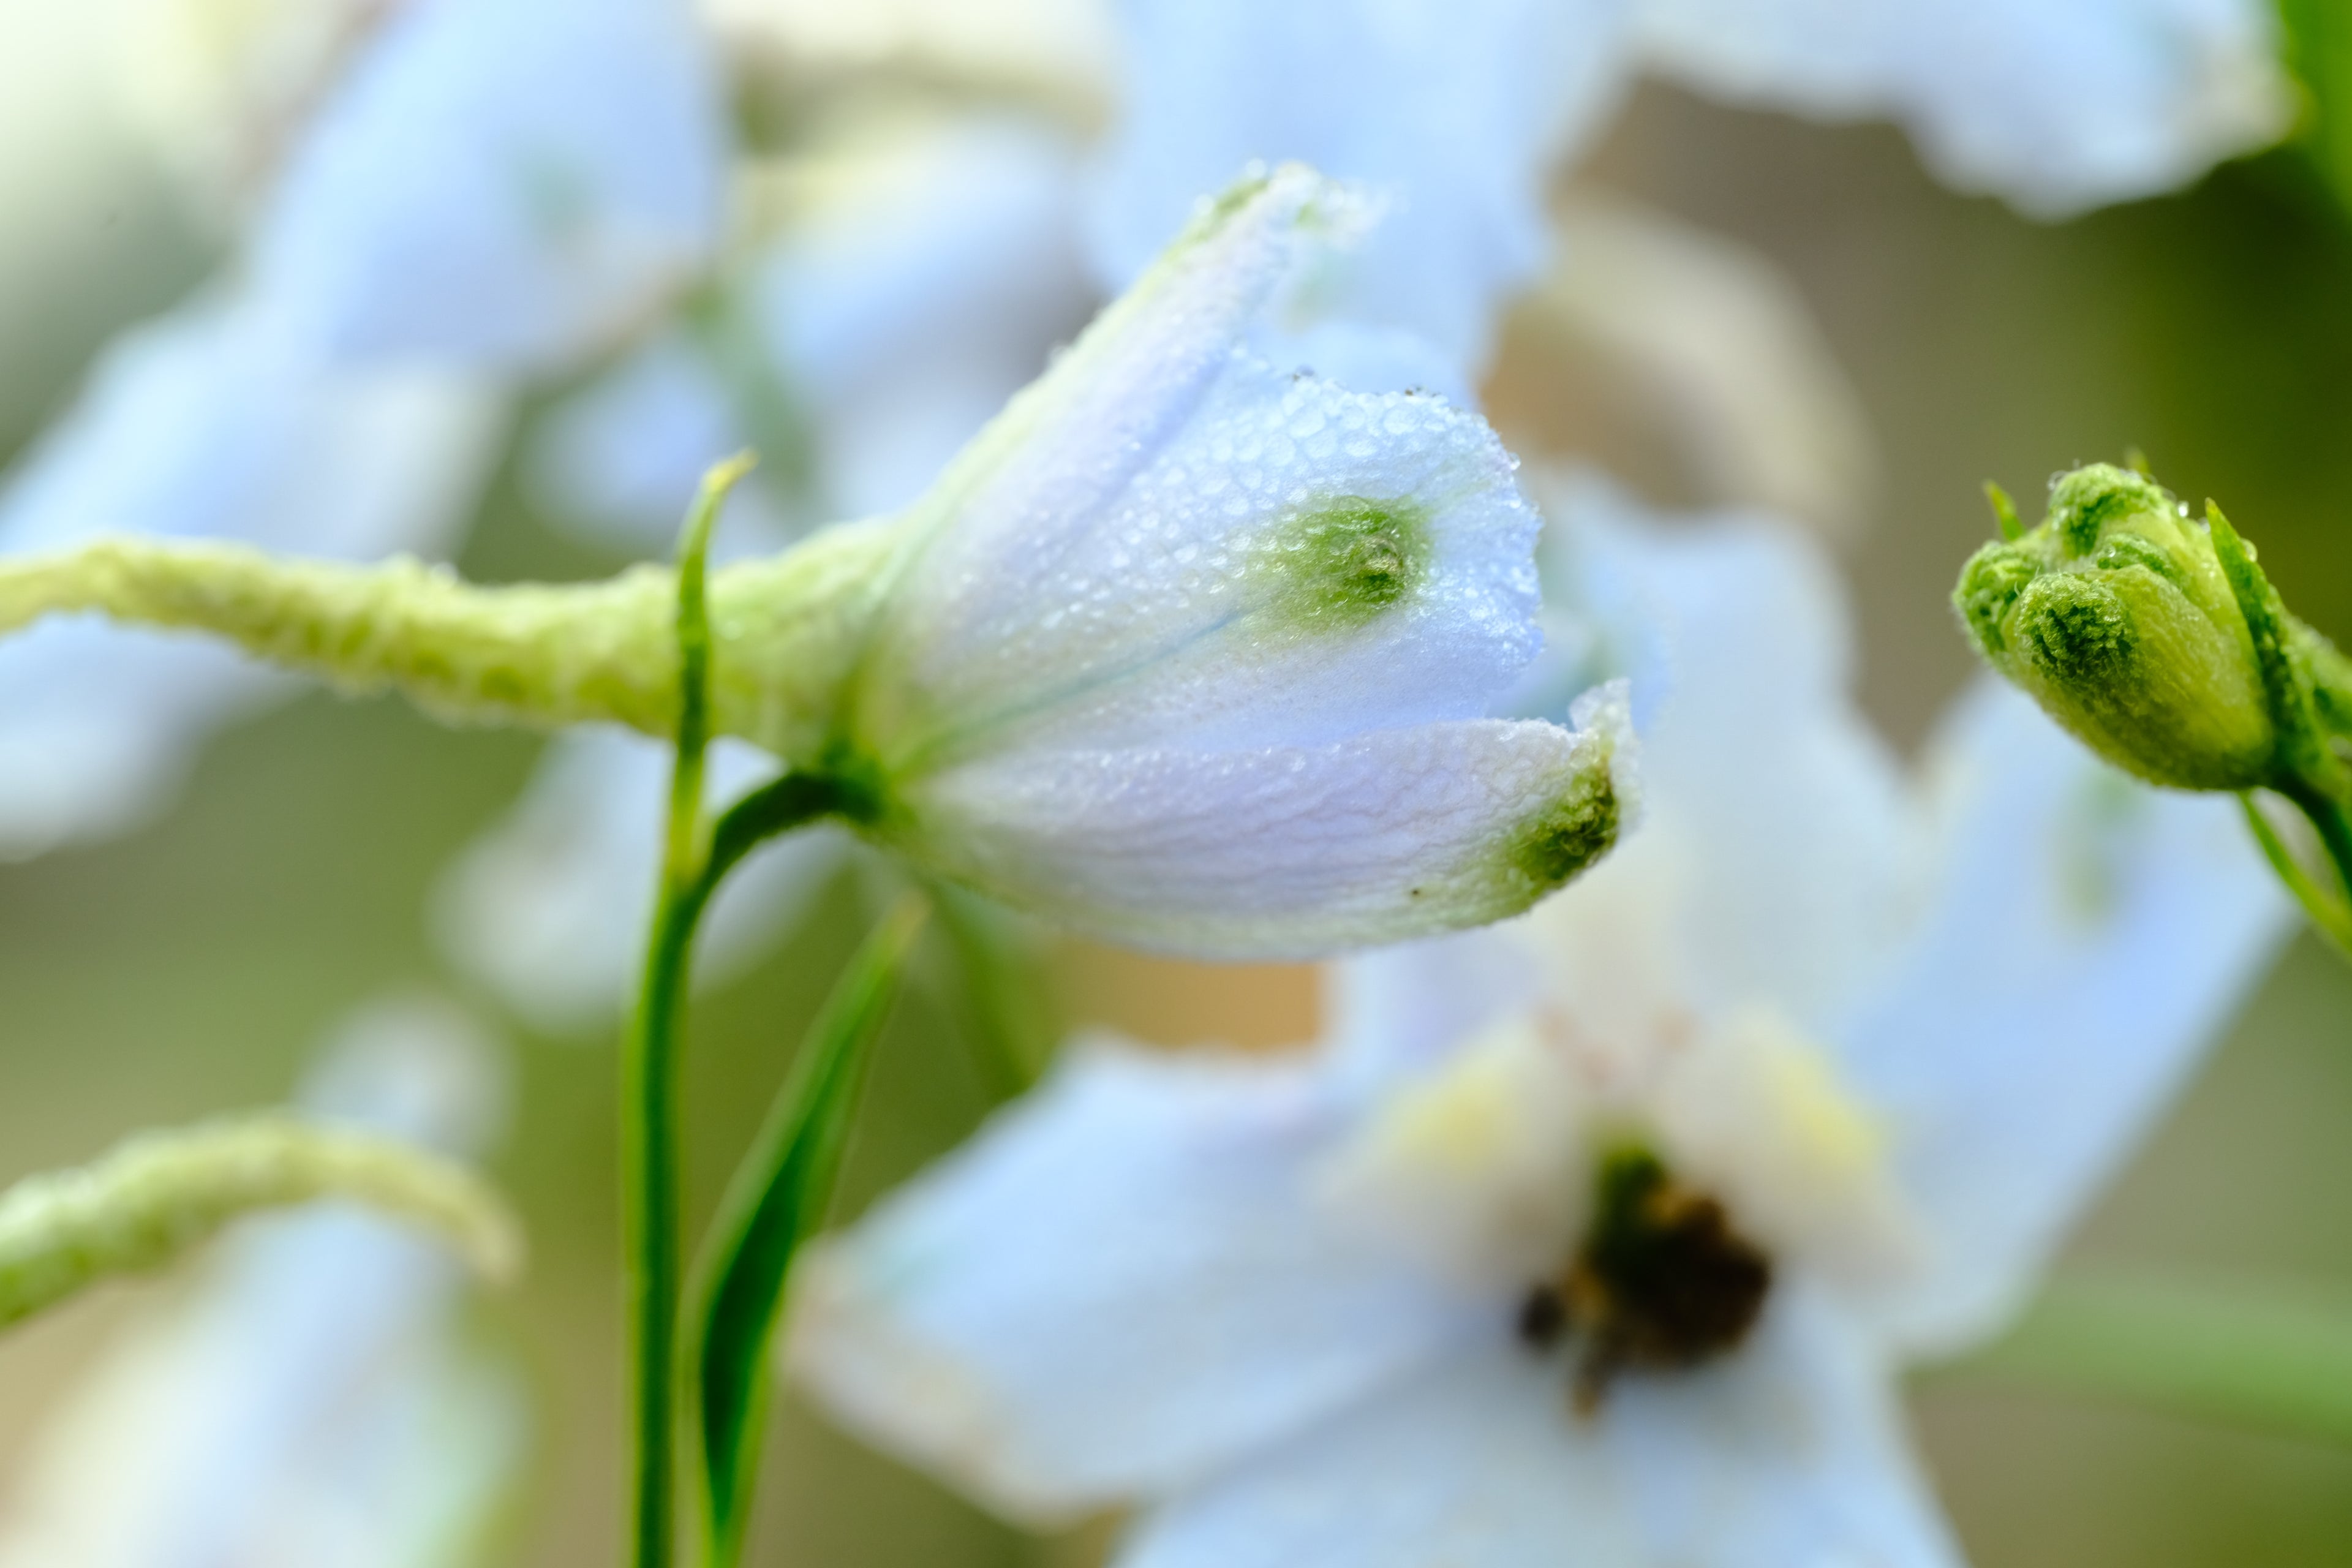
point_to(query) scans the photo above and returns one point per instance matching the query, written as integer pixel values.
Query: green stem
(2332, 824)
(2328, 911)
(2229, 1353)
(649, 1089)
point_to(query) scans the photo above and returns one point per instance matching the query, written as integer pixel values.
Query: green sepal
(777, 1199)
(2304, 752)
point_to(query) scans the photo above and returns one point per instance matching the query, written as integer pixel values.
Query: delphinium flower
(490, 191)
(918, 277)
(311, 1397)
(1598, 1236)
(1183, 649)
(1459, 118)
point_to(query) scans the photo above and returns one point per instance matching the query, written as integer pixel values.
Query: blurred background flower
(349, 276)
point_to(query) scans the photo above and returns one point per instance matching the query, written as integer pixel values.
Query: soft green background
(188, 968)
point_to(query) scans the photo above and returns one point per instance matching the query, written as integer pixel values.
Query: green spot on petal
(1344, 562)
(1575, 830)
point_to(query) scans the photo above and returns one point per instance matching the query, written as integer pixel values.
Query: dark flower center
(1662, 1281)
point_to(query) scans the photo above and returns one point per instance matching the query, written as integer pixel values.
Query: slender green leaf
(775, 1202)
(2232, 1352)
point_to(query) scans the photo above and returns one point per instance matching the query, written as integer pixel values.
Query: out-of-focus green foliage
(2319, 52)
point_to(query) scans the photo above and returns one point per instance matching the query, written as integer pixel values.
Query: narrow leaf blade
(776, 1201)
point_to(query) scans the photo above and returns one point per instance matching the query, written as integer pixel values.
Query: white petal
(1398, 1010)
(506, 183)
(549, 907)
(2089, 940)
(1123, 1284)
(2056, 107)
(1785, 809)
(1787, 1453)
(1454, 111)
(1289, 852)
(1151, 545)
(209, 423)
(1185, 612)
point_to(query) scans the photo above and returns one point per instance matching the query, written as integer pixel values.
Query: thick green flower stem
(784, 629)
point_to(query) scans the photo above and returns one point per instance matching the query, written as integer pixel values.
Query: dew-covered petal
(1197, 550)
(2056, 107)
(2088, 940)
(1123, 1284)
(1790, 1451)
(1289, 852)
(503, 184)
(210, 423)
(1296, 564)
(1453, 113)
(549, 906)
(1787, 817)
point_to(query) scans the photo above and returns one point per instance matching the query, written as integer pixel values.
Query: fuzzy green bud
(2118, 617)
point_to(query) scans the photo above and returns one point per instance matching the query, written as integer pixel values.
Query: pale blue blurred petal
(1455, 112)
(1791, 1453)
(915, 287)
(503, 184)
(1124, 1284)
(2057, 105)
(2089, 939)
(213, 422)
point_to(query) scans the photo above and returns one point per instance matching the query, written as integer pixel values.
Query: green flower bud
(2117, 615)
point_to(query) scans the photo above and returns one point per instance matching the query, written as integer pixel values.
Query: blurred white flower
(2057, 106)
(504, 184)
(493, 187)
(216, 421)
(1610, 1226)
(1661, 336)
(1453, 113)
(309, 1400)
(1459, 114)
(919, 279)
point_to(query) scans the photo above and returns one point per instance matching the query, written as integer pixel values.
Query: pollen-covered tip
(2115, 615)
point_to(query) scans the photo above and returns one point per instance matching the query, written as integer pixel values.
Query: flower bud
(2116, 616)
